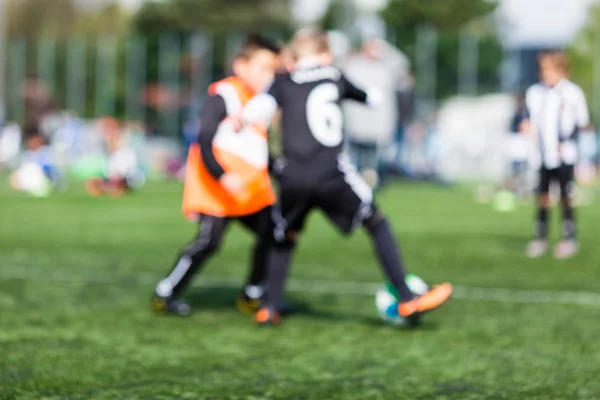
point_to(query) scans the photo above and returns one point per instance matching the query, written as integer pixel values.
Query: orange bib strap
(235, 93)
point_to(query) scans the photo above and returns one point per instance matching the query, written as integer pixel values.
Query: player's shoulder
(281, 79)
(536, 88)
(534, 91)
(316, 73)
(572, 89)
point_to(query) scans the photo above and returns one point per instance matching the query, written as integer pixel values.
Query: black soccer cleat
(170, 306)
(250, 299)
(247, 305)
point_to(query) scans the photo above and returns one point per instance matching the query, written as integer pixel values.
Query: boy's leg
(348, 201)
(261, 224)
(388, 253)
(279, 261)
(539, 245)
(568, 246)
(566, 181)
(188, 263)
(288, 222)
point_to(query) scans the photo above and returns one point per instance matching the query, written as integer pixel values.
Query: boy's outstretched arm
(371, 97)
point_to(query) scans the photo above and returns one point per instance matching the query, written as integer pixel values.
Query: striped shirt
(556, 115)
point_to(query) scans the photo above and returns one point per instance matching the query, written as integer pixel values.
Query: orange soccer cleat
(429, 301)
(267, 316)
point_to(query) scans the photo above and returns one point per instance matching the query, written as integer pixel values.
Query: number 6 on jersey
(324, 115)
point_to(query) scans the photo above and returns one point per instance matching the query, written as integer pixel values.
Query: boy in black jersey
(317, 175)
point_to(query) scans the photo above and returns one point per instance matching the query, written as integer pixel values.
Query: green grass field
(77, 273)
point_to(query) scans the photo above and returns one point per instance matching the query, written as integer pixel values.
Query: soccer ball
(386, 299)
(505, 201)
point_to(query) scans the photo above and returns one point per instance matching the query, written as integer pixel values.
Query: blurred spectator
(416, 151)
(38, 103)
(37, 170)
(123, 172)
(135, 139)
(393, 160)
(433, 149)
(190, 131)
(406, 108)
(382, 67)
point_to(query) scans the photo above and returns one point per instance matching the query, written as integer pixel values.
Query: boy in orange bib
(227, 177)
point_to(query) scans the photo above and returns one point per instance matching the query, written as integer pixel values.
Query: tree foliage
(450, 18)
(584, 58)
(185, 16)
(445, 15)
(62, 18)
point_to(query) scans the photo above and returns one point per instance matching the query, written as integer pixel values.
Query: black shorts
(342, 194)
(563, 175)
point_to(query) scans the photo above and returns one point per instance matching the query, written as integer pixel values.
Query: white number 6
(324, 115)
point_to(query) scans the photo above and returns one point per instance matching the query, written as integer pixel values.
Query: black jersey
(312, 119)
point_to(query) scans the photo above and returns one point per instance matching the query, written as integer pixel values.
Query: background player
(227, 177)
(317, 175)
(557, 112)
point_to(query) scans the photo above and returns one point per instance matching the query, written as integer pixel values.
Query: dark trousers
(207, 242)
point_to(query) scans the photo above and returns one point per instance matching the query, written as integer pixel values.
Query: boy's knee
(544, 200)
(207, 242)
(213, 245)
(565, 202)
(203, 246)
(288, 240)
(373, 220)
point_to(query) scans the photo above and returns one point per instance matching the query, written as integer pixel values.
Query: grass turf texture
(76, 275)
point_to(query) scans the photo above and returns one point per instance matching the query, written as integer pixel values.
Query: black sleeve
(213, 112)
(349, 91)
(275, 165)
(275, 89)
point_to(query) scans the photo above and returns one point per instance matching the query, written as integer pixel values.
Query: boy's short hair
(254, 43)
(557, 58)
(287, 52)
(309, 42)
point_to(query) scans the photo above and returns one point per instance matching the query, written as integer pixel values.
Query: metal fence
(161, 80)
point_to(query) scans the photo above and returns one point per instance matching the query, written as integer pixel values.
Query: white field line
(353, 288)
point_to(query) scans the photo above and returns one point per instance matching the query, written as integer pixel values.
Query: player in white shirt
(557, 111)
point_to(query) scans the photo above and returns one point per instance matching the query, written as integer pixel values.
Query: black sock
(541, 223)
(569, 226)
(279, 258)
(258, 268)
(388, 253)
